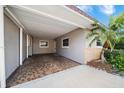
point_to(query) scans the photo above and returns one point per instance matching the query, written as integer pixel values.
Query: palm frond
(112, 34)
(93, 40)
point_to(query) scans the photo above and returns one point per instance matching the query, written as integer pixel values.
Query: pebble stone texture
(39, 66)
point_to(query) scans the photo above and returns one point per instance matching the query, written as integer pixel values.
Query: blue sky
(102, 12)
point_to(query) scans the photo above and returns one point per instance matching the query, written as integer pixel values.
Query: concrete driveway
(77, 77)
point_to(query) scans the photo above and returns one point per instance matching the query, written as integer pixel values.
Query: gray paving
(77, 77)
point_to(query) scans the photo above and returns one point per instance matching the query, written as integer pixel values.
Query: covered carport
(44, 22)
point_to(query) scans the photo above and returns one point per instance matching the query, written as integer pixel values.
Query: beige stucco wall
(76, 45)
(92, 54)
(11, 46)
(37, 50)
(79, 49)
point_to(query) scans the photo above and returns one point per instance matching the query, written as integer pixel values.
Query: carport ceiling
(40, 25)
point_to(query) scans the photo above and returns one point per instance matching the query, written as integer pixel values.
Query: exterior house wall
(79, 49)
(30, 46)
(76, 45)
(11, 46)
(91, 52)
(37, 50)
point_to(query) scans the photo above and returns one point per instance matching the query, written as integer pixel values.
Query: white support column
(31, 44)
(27, 44)
(21, 46)
(2, 50)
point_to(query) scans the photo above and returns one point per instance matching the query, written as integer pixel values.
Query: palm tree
(110, 35)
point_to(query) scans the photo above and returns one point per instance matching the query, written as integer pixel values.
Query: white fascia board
(47, 15)
(13, 17)
(78, 14)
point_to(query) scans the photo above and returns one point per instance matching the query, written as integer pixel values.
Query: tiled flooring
(38, 66)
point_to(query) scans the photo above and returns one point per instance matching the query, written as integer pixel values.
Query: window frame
(63, 40)
(98, 46)
(43, 41)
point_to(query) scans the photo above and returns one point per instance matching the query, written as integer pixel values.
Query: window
(99, 43)
(43, 44)
(65, 43)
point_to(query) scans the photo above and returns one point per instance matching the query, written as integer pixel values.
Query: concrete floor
(39, 66)
(81, 76)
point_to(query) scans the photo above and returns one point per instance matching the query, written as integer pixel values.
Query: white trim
(44, 46)
(13, 17)
(99, 46)
(62, 42)
(27, 37)
(48, 15)
(77, 13)
(21, 46)
(2, 50)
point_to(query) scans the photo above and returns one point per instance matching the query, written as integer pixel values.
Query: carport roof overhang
(48, 21)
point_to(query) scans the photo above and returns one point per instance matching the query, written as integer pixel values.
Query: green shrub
(116, 58)
(120, 45)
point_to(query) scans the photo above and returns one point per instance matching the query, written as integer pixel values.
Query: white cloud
(107, 9)
(85, 8)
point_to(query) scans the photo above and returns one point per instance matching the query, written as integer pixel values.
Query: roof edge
(76, 9)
